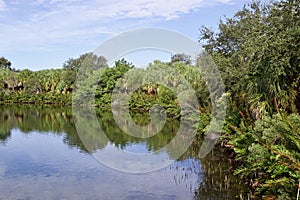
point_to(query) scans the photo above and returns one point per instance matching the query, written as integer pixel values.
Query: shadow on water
(208, 178)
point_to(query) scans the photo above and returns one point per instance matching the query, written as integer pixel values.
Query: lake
(42, 156)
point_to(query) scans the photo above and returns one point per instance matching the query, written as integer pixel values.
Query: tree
(33, 86)
(12, 82)
(181, 57)
(4, 63)
(258, 53)
(85, 59)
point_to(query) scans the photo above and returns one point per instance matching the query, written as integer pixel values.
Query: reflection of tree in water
(189, 172)
(122, 139)
(42, 119)
(7, 123)
(219, 182)
(60, 121)
(89, 131)
(4, 134)
(208, 178)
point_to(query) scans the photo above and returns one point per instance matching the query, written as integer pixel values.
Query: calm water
(43, 157)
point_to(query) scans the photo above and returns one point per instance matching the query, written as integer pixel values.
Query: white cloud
(95, 9)
(226, 1)
(37, 23)
(2, 5)
(107, 8)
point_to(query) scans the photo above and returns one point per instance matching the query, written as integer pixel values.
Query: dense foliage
(41, 87)
(88, 81)
(258, 54)
(270, 154)
(4, 63)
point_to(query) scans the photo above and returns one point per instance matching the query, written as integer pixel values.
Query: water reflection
(105, 138)
(42, 157)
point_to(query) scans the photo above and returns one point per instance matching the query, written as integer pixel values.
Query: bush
(270, 154)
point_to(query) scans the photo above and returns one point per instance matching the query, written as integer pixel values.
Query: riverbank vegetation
(258, 55)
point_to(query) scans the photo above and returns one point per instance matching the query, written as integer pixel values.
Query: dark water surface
(42, 157)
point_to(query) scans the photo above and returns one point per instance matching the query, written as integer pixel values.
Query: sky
(40, 34)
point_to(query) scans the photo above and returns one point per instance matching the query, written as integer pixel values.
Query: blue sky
(39, 34)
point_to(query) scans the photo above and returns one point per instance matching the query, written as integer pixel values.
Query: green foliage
(76, 63)
(4, 63)
(181, 57)
(87, 81)
(51, 86)
(270, 154)
(95, 85)
(41, 87)
(258, 53)
(32, 86)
